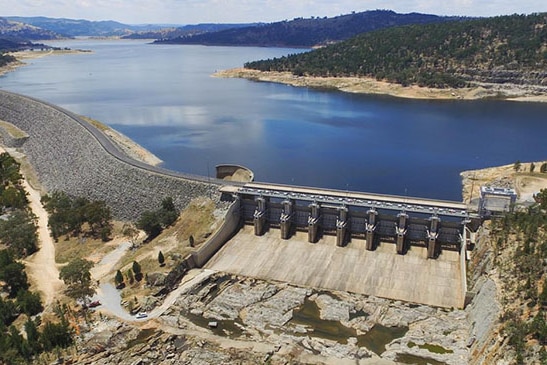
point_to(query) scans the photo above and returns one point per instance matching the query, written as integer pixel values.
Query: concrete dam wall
(67, 155)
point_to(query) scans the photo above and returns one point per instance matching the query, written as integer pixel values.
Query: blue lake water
(163, 97)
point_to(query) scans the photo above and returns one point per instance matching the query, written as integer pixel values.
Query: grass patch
(12, 130)
(100, 126)
(196, 221)
(67, 249)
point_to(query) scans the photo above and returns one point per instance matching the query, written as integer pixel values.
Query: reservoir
(164, 98)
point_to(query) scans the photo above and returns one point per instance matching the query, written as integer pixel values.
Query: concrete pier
(400, 230)
(313, 222)
(285, 219)
(341, 226)
(259, 216)
(432, 235)
(370, 226)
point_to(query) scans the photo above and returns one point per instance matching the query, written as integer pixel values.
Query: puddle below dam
(375, 340)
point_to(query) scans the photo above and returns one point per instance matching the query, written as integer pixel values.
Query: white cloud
(230, 11)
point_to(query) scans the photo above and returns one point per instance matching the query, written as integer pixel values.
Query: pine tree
(161, 259)
(118, 279)
(137, 271)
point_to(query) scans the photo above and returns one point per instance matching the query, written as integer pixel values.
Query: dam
(402, 248)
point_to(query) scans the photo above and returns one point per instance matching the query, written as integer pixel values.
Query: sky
(248, 11)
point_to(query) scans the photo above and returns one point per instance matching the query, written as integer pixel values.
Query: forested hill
(309, 32)
(506, 49)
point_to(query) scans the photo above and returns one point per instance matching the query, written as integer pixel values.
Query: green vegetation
(161, 259)
(12, 194)
(15, 348)
(18, 224)
(301, 32)
(6, 59)
(75, 216)
(154, 222)
(524, 280)
(77, 277)
(118, 279)
(136, 267)
(18, 232)
(435, 55)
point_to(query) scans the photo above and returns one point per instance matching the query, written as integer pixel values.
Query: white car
(141, 315)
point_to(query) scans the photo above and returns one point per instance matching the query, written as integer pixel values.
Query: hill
(18, 31)
(185, 31)
(310, 32)
(81, 27)
(498, 50)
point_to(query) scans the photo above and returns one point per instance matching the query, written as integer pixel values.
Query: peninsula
(500, 57)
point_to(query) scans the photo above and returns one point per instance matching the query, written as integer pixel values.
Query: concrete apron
(382, 272)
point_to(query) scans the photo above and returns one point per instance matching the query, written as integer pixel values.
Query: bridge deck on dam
(382, 272)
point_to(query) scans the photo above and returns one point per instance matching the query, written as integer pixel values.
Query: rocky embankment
(68, 157)
(519, 90)
(229, 319)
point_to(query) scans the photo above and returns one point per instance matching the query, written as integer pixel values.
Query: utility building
(495, 200)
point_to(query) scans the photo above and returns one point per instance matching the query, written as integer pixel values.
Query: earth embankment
(70, 155)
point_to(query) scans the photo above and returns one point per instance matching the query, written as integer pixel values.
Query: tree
(517, 165)
(77, 277)
(130, 276)
(29, 302)
(19, 233)
(118, 279)
(191, 241)
(137, 270)
(541, 198)
(55, 335)
(161, 259)
(15, 277)
(168, 213)
(68, 215)
(130, 231)
(8, 312)
(532, 167)
(33, 336)
(150, 223)
(98, 216)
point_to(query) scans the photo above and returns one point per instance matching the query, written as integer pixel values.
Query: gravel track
(71, 155)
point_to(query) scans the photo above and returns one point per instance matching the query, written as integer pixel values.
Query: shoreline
(369, 85)
(525, 182)
(22, 56)
(124, 143)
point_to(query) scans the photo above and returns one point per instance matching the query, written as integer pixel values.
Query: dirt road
(41, 266)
